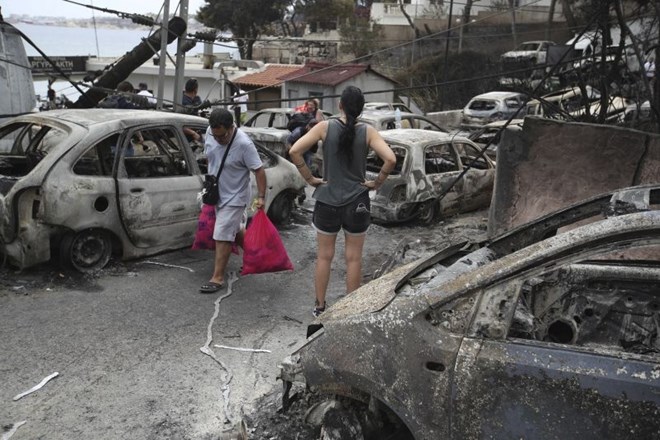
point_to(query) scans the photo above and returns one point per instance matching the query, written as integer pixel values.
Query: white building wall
(389, 12)
(366, 82)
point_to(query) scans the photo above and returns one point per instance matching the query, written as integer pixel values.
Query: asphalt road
(135, 344)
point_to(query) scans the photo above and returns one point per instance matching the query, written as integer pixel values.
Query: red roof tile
(326, 74)
(269, 77)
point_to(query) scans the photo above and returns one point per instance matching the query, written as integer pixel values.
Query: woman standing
(342, 199)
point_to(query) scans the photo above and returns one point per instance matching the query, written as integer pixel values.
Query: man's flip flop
(211, 287)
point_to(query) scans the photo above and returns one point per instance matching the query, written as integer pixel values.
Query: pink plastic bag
(263, 250)
(205, 227)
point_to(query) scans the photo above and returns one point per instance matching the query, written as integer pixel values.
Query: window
(469, 153)
(154, 152)
(439, 159)
(374, 163)
(483, 105)
(98, 160)
(23, 146)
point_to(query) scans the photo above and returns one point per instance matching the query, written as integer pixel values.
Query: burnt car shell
(44, 199)
(428, 162)
(446, 356)
(81, 185)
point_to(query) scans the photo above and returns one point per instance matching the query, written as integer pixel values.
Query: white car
(492, 106)
(82, 185)
(533, 51)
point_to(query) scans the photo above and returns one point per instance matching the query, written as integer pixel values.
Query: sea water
(57, 41)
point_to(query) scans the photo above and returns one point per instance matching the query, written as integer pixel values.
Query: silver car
(492, 106)
(428, 164)
(81, 185)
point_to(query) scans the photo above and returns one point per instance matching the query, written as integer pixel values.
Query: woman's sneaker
(318, 309)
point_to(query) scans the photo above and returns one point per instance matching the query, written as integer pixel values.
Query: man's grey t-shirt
(235, 177)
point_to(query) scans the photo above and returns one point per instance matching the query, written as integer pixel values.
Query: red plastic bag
(205, 226)
(263, 250)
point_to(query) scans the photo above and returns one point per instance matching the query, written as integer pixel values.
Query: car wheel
(428, 212)
(86, 251)
(280, 210)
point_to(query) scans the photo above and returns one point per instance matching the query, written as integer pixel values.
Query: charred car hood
(409, 281)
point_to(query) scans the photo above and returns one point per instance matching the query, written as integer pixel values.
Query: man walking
(234, 184)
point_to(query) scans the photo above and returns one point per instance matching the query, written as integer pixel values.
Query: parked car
(386, 120)
(533, 51)
(492, 106)
(491, 135)
(80, 185)
(535, 334)
(274, 117)
(272, 138)
(570, 103)
(427, 162)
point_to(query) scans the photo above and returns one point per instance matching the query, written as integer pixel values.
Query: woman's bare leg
(353, 255)
(325, 254)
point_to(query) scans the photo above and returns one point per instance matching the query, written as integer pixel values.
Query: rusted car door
(157, 186)
(572, 353)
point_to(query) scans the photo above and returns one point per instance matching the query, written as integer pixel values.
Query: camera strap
(222, 164)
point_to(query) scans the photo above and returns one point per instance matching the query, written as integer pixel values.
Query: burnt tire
(428, 212)
(86, 251)
(281, 208)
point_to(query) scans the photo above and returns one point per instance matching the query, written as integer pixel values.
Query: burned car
(276, 117)
(550, 331)
(492, 106)
(491, 135)
(81, 185)
(427, 164)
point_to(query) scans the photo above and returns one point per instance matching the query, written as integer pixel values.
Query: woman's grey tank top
(344, 179)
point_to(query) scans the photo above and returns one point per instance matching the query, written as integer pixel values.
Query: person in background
(190, 100)
(313, 108)
(342, 199)
(234, 184)
(299, 132)
(144, 91)
(124, 97)
(240, 100)
(649, 71)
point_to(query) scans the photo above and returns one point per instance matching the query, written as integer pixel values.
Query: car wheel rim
(90, 251)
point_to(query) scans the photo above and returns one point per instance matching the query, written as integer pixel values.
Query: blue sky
(60, 8)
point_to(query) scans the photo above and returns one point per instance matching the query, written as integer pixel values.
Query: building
(326, 82)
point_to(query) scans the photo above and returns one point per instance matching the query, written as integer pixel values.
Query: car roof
(266, 133)
(101, 116)
(497, 95)
(418, 136)
(277, 109)
(374, 114)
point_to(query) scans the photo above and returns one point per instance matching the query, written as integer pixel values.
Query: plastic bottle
(397, 118)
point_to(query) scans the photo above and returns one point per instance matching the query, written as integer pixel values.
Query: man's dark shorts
(354, 217)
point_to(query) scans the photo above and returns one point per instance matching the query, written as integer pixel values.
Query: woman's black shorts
(354, 217)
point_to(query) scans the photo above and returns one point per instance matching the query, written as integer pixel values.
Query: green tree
(245, 19)
(325, 10)
(359, 36)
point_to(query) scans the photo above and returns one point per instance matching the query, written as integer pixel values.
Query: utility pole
(444, 71)
(179, 72)
(163, 54)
